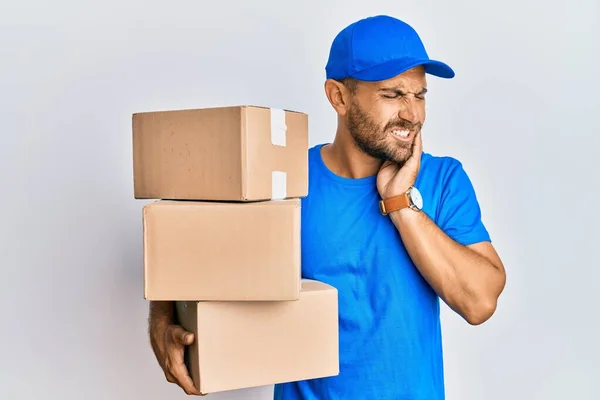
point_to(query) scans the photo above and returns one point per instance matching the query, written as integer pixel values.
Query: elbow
(482, 306)
(480, 312)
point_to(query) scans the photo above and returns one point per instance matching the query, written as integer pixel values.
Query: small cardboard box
(248, 344)
(222, 251)
(237, 153)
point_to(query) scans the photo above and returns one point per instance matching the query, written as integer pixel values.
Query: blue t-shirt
(389, 322)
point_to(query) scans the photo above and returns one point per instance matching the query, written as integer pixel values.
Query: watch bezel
(414, 194)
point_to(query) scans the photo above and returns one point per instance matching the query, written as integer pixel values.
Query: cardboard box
(238, 153)
(222, 251)
(247, 344)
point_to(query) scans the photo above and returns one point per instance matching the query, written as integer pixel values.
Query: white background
(522, 115)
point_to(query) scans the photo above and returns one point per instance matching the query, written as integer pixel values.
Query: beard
(375, 141)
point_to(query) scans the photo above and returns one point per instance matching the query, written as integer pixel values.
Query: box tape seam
(278, 138)
(278, 127)
(278, 185)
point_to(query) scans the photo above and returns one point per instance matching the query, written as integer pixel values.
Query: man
(391, 227)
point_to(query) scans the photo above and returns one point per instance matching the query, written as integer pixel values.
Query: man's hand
(168, 343)
(393, 180)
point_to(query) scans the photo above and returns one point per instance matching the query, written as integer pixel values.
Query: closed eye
(395, 94)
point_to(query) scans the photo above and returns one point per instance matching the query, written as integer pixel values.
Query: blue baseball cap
(378, 48)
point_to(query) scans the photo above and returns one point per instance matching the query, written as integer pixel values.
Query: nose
(410, 110)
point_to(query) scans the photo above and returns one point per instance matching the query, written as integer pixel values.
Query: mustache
(403, 124)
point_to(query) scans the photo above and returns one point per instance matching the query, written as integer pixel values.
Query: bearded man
(393, 228)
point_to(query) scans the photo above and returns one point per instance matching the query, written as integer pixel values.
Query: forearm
(467, 281)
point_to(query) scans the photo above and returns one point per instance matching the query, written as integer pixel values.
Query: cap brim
(394, 68)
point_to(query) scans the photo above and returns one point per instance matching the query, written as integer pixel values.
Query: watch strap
(395, 203)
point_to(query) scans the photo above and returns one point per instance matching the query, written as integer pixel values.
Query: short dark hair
(350, 83)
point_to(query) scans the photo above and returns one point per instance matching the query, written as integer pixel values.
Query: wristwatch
(410, 199)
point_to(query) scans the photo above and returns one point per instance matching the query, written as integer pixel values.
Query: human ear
(338, 96)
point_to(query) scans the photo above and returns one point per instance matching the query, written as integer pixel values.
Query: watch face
(415, 198)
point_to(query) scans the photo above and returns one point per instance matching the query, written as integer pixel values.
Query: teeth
(403, 133)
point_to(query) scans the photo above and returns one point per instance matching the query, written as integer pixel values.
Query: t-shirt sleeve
(460, 213)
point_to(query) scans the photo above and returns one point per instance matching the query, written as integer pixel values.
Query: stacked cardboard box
(222, 240)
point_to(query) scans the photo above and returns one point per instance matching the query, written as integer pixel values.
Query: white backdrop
(522, 115)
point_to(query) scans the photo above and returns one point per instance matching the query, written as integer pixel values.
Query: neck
(345, 159)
